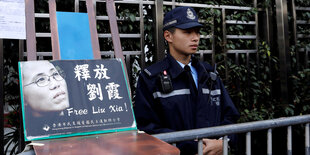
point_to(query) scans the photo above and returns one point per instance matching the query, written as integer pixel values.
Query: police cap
(182, 18)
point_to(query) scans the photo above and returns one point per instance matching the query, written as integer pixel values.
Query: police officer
(180, 92)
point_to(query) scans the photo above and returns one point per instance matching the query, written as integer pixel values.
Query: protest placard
(65, 98)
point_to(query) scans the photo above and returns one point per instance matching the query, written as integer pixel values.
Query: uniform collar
(200, 68)
(174, 67)
(182, 65)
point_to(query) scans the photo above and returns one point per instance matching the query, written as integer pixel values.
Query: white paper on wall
(12, 19)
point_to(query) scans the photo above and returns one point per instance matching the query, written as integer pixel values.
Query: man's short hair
(172, 29)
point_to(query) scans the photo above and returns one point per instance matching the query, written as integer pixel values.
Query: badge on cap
(190, 14)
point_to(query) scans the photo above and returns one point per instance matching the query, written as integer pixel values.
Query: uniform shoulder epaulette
(147, 72)
(156, 68)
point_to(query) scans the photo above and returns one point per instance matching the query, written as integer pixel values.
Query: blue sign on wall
(74, 36)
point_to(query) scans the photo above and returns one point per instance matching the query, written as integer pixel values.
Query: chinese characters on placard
(98, 96)
(94, 89)
(81, 123)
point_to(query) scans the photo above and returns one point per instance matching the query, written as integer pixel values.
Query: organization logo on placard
(46, 127)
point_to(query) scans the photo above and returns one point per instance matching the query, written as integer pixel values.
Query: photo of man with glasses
(44, 88)
(45, 95)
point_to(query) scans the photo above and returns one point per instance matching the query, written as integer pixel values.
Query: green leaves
(301, 90)
(132, 17)
(305, 3)
(239, 15)
(250, 84)
(129, 23)
(289, 110)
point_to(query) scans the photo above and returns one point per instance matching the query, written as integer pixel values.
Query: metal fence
(248, 128)
(298, 22)
(204, 54)
(45, 52)
(261, 31)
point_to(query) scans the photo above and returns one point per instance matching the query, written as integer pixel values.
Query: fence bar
(307, 139)
(200, 147)
(303, 8)
(231, 129)
(242, 51)
(129, 2)
(21, 49)
(225, 145)
(142, 34)
(283, 43)
(173, 4)
(248, 143)
(160, 47)
(208, 6)
(30, 30)
(295, 30)
(269, 142)
(213, 42)
(91, 11)
(240, 22)
(267, 26)
(54, 30)
(127, 62)
(303, 36)
(306, 57)
(107, 35)
(41, 15)
(302, 22)
(1, 99)
(110, 53)
(224, 40)
(289, 140)
(117, 18)
(241, 36)
(76, 6)
(256, 34)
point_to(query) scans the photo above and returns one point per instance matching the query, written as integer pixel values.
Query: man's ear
(168, 36)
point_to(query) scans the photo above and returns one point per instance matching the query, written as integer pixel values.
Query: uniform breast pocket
(216, 106)
(215, 100)
(212, 100)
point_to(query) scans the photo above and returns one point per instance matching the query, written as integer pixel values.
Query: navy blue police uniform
(168, 99)
(183, 108)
